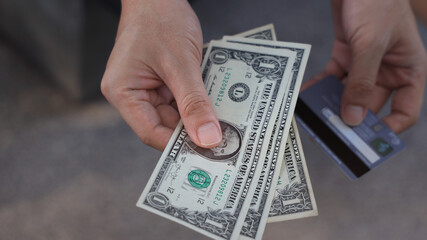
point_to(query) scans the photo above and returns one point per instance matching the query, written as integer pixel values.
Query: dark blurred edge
(69, 41)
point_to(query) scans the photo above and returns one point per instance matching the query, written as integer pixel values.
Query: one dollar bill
(209, 190)
(259, 211)
(265, 32)
(293, 197)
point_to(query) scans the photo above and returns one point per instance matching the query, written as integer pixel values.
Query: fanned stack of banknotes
(258, 173)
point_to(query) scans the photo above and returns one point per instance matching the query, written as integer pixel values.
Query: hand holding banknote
(155, 62)
(379, 51)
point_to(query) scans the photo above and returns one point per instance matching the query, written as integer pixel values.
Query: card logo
(381, 147)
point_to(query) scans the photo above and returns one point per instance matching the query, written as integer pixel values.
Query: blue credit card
(356, 150)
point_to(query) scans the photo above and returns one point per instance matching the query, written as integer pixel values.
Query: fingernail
(353, 115)
(209, 134)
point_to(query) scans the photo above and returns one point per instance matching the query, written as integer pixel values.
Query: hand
(420, 9)
(153, 74)
(378, 51)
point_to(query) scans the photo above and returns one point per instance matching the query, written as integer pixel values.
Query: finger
(360, 85)
(168, 115)
(183, 77)
(379, 98)
(337, 66)
(332, 68)
(405, 107)
(336, 6)
(133, 104)
(165, 94)
(174, 105)
(144, 120)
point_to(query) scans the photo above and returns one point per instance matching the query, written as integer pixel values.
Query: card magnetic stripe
(331, 140)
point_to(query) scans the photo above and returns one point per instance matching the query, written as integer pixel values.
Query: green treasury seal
(199, 179)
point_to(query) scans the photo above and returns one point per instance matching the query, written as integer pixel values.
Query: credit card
(356, 150)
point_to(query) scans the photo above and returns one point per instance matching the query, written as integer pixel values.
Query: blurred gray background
(70, 168)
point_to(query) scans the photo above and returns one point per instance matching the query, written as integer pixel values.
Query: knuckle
(105, 88)
(194, 104)
(113, 93)
(412, 119)
(147, 140)
(152, 139)
(405, 123)
(146, 134)
(419, 75)
(363, 88)
(365, 38)
(367, 44)
(108, 86)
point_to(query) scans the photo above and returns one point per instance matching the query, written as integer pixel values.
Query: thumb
(360, 85)
(194, 106)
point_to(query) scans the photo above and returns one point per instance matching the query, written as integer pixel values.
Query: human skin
(153, 74)
(379, 54)
(420, 8)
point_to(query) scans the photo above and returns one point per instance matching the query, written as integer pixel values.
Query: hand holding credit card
(356, 150)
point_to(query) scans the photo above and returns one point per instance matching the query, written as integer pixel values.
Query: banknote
(293, 196)
(265, 32)
(208, 190)
(259, 211)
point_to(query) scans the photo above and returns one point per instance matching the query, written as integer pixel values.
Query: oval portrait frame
(230, 134)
